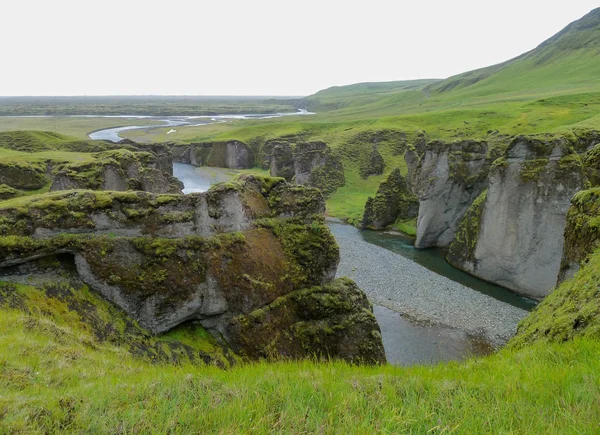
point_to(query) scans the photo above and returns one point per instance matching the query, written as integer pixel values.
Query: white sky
(259, 47)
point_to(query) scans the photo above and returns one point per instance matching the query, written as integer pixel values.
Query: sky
(259, 47)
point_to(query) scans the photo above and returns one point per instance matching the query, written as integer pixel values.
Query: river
(406, 342)
(112, 134)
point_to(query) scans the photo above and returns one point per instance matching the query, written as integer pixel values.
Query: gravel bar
(412, 290)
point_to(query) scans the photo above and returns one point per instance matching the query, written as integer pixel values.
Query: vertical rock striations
(513, 235)
(446, 177)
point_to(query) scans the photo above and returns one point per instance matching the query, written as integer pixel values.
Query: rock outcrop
(513, 234)
(312, 164)
(582, 232)
(393, 202)
(231, 154)
(373, 165)
(118, 170)
(23, 175)
(446, 177)
(214, 257)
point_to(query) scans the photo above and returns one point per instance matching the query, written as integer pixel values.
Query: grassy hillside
(75, 364)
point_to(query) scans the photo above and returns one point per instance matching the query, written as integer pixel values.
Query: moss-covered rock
(373, 164)
(462, 249)
(7, 192)
(116, 170)
(331, 321)
(393, 202)
(170, 259)
(570, 311)
(582, 232)
(22, 175)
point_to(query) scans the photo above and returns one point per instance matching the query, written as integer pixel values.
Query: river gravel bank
(412, 290)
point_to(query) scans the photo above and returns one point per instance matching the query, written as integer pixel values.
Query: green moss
(570, 311)
(462, 249)
(393, 202)
(531, 169)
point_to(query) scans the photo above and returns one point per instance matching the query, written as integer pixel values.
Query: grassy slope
(555, 87)
(56, 376)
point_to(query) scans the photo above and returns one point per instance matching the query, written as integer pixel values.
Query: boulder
(373, 164)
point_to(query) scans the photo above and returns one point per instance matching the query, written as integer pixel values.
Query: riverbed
(425, 317)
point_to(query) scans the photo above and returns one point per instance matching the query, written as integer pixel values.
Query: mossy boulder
(282, 160)
(7, 192)
(317, 165)
(331, 321)
(393, 202)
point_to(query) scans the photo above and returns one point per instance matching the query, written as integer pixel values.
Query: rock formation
(216, 257)
(513, 234)
(373, 165)
(393, 202)
(582, 232)
(232, 154)
(311, 164)
(446, 177)
(117, 170)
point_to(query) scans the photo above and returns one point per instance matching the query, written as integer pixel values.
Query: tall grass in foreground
(54, 379)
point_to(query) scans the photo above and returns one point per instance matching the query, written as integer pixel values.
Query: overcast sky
(259, 47)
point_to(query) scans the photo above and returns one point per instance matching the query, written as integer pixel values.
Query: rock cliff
(214, 258)
(232, 154)
(312, 164)
(118, 170)
(446, 177)
(513, 234)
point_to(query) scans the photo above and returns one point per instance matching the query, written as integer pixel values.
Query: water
(434, 260)
(200, 179)
(408, 343)
(405, 342)
(112, 134)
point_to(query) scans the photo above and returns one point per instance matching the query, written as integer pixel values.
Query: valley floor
(412, 290)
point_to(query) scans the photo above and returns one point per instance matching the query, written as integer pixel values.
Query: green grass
(54, 379)
(71, 126)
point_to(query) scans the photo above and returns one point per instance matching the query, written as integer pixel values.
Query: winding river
(406, 342)
(112, 134)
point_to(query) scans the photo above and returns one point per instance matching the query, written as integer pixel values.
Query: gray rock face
(519, 238)
(119, 171)
(212, 257)
(311, 164)
(446, 177)
(231, 154)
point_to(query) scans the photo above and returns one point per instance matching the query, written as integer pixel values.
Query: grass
(53, 380)
(71, 126)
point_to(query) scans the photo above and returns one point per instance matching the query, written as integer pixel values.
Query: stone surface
(521, 221)
(373, 165)
(208, 257)
(232, 154)
(446, 177)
